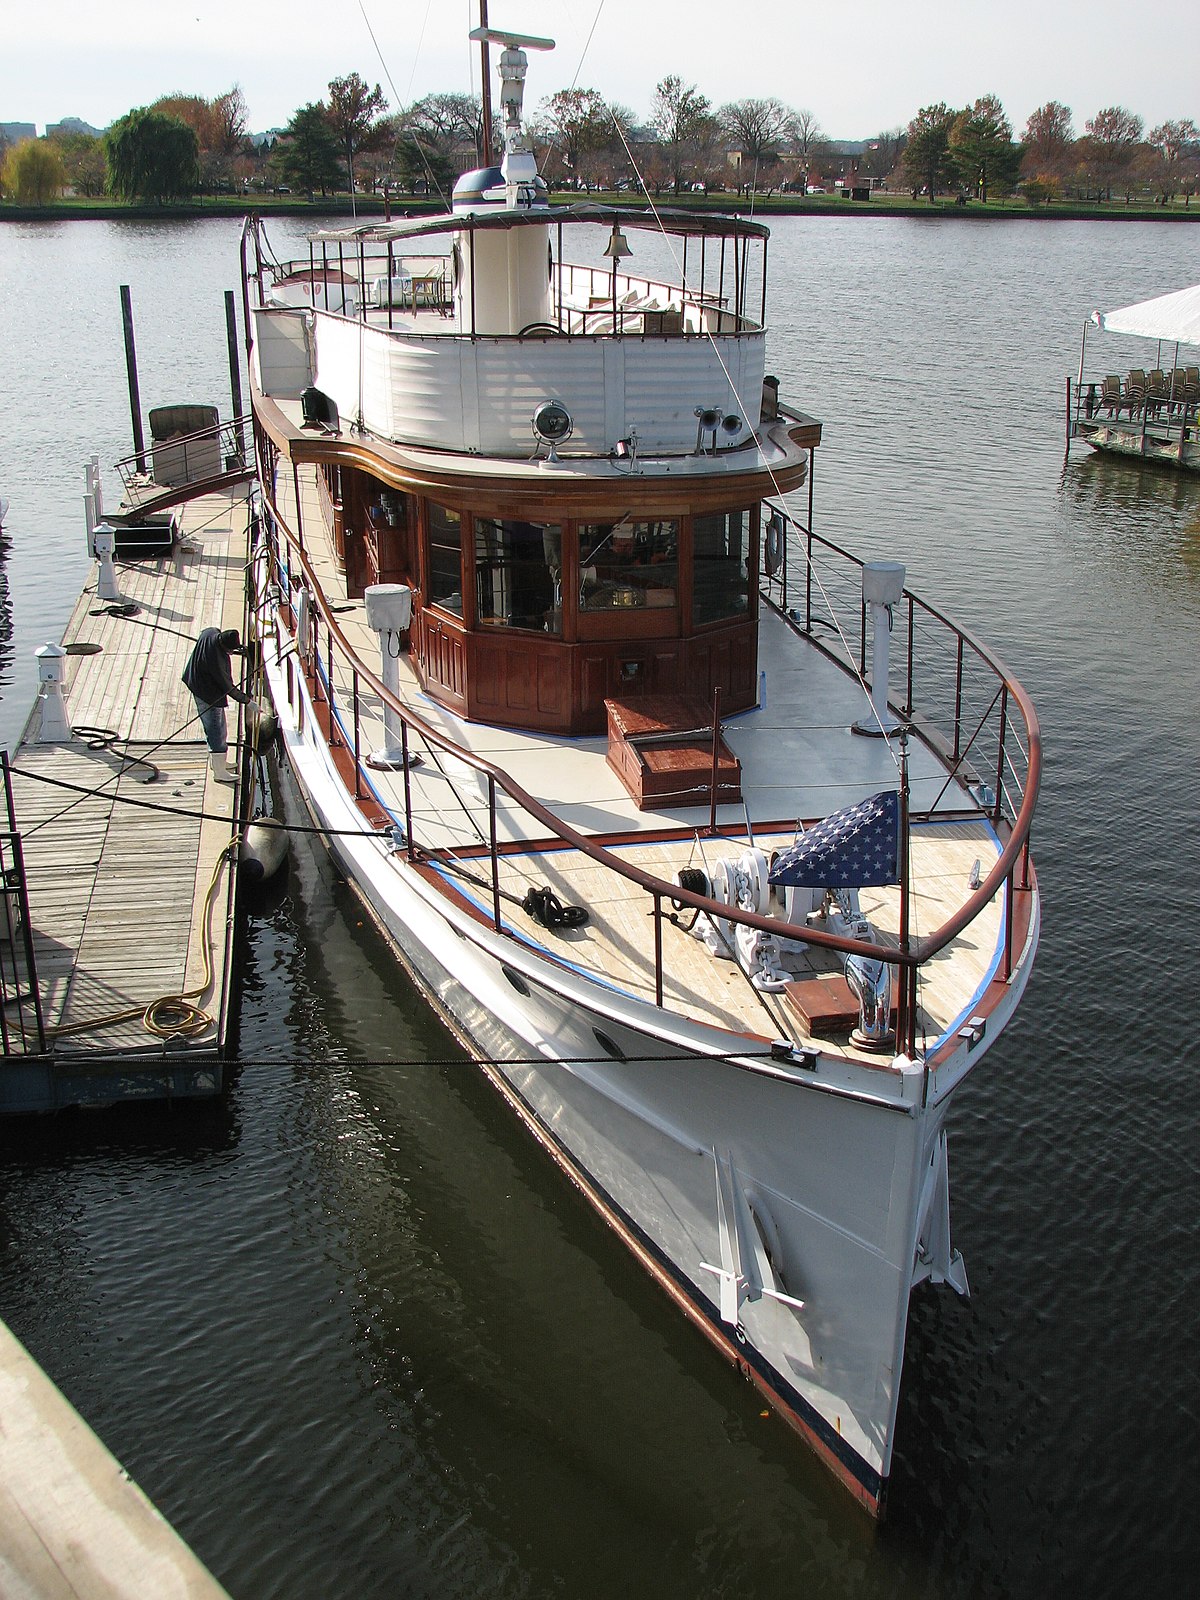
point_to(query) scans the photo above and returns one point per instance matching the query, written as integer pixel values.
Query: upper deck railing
(958, 697)
(587, 301)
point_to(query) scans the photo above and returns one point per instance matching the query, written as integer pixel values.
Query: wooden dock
(73, 1524)
(128, 842)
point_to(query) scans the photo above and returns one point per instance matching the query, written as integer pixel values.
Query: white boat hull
(780, 1206)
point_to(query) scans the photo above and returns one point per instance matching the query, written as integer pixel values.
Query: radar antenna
(519, 165)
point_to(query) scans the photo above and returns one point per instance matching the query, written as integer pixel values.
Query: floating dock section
(119, 862)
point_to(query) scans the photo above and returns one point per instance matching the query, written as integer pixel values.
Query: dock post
(135, 399)
(235, 374)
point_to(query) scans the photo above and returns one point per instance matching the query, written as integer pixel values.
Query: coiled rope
(169, 1016)
(544, 906)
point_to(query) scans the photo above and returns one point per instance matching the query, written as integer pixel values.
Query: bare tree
(884, 151)
(1112, 135)
(805, 133)
(1048, 150)
(1170, 144)
(1171, 139)
(757, 127)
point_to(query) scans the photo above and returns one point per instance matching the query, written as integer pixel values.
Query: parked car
(814, 188)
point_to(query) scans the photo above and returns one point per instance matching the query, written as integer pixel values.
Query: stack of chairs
(1158, 392)
(1135, 391)
(1112, 398)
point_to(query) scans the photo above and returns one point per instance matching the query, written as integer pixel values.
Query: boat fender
(773, 545)
(263, 850)
(262, 723)
(544, 906)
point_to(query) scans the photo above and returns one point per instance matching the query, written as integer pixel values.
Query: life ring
(773, 545)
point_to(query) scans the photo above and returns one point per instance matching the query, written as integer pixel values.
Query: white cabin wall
(281, 354)
(511, 273)
(480, 395)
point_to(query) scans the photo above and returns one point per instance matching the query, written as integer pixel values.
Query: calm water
(347, 1329)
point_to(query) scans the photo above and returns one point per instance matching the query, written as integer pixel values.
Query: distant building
(14, 132)
(73, 125)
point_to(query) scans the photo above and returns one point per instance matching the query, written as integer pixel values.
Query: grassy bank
(763, 205)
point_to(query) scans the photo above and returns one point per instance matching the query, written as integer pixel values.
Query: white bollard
(882, 586)
(104, 540)
(52, 666)
(389, 612)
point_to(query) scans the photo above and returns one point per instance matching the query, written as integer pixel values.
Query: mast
(488, 158)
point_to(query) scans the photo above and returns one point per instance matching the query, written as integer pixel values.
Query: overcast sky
(859, 69)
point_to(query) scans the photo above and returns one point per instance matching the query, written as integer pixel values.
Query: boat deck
(116, 890)
(616, 944)
(800, 760)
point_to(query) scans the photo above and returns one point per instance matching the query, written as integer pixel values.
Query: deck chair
(1191, 385)
(1135, 390)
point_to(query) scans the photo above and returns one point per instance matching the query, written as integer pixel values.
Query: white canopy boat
(583, 704)
(1151, 412)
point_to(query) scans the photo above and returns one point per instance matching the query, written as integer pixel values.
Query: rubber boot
(222, 772)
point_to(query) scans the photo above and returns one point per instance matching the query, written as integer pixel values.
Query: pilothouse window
(720, 584)
(627, 564)
(445, 558)
(518, 574)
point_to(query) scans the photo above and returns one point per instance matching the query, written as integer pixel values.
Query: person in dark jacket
(208, 675)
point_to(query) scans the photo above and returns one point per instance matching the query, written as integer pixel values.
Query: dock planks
(117, 889)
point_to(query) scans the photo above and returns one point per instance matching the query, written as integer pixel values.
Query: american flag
(851, 849)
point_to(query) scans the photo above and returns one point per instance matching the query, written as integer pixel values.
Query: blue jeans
(212, 720)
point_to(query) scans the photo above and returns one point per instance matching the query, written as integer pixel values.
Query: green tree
(151, 157)
(982, 149)
(306, 154)
(353, 112)
(574, 123)
(452, 125)
(83, 158)
(682, 118)
(927, 159)
(33, 172)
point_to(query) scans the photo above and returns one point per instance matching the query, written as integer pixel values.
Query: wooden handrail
(920, 950)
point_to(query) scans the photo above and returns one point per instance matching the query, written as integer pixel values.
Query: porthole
(609, 1046)
(517, 981)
